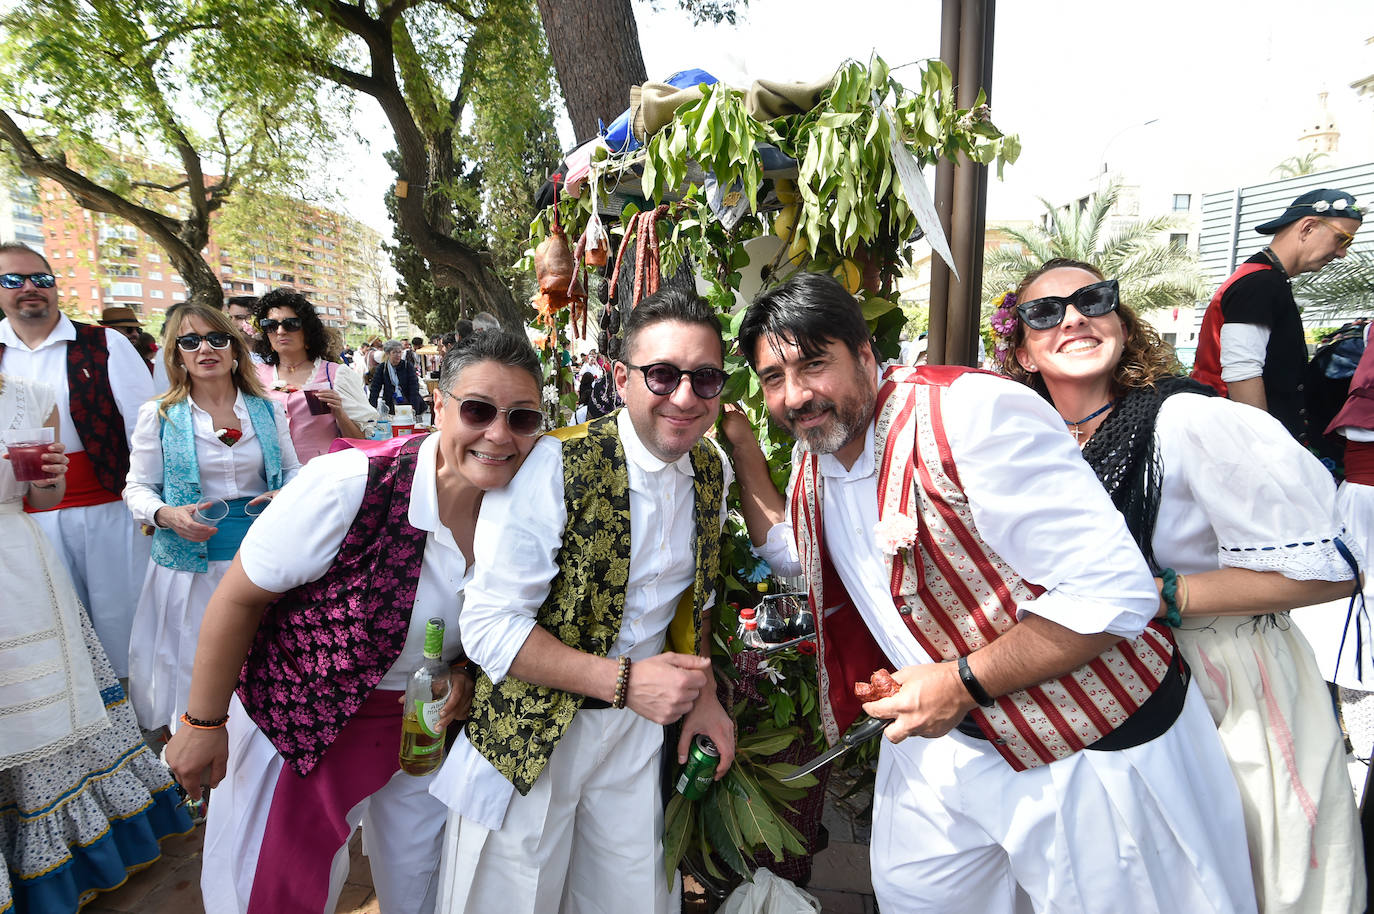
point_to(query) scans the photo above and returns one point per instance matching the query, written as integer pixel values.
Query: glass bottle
(771, 624)
(422, 738)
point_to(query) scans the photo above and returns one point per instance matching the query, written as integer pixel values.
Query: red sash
(83, 488)
(1207, 363)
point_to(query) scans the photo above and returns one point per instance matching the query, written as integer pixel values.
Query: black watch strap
(975, 688)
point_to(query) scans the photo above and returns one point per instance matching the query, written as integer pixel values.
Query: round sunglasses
(662, 378)
(1091, 301)
(478, 414)
(289, 324)
(190, 342)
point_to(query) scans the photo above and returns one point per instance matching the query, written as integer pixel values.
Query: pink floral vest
(322, 647)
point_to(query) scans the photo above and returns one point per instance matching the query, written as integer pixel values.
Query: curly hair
(1145, 357)
(317, 336)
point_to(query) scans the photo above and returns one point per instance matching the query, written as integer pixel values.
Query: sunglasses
(1343, 239)
(662, 378)
(478, 414)
(16, 280)
(289, 324)
(1091, 301)
(190, 342)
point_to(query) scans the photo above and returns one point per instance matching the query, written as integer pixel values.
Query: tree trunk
(595, 49)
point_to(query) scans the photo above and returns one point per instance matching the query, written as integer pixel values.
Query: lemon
(849, 275)
(785, 223)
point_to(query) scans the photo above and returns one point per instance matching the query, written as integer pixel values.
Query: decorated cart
(730, 191)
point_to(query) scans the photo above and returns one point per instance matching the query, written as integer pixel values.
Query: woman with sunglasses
(95, 800)
(319, 622)
(324, 400)
(212, 437)
(1239, 524)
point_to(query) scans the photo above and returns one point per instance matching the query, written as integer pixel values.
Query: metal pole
(944, 200)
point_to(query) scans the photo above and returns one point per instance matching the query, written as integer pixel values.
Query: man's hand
(665, 687)
(931, 703)
(198, 758)
(459, 701)
(707, 716)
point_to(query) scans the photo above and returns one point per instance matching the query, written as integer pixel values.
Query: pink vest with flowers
(954, 593)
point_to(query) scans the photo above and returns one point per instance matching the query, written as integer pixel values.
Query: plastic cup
(216, 511)
(312, 399)
(26, 448)
(253, 510)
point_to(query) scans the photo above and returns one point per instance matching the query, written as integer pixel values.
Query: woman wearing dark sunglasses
(1238, 522)
(214, 435)
(301, 370)
(320, 621)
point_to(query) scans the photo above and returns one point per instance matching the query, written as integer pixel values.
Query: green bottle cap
(434, 639)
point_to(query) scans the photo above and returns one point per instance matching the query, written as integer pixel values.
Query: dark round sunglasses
(289, 324)
(16, 280)
(478, 414)
(1091, 301)
(662, 378)
(190, 342)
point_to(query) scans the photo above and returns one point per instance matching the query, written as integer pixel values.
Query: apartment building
(102, 261)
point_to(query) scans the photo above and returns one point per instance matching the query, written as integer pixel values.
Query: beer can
(700, 770)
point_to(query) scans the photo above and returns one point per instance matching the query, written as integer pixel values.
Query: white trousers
(1151, 829)
(402, 831)
(107, 557)
(586, 839)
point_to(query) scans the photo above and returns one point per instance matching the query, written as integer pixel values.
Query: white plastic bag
(769, 894)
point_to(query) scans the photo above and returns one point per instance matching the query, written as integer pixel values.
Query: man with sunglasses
(949, 529)
(1251, 347)
(101, 381)
(589, 615)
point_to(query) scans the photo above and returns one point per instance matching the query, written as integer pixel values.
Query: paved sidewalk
(839, 875)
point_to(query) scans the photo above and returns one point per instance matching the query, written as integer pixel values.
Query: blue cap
(1334, 204)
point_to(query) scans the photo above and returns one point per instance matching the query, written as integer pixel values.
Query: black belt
(1150, 721)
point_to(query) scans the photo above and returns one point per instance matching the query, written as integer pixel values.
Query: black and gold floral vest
(515, 725)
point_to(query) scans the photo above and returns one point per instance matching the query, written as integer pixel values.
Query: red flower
(228, 435)
(806, 647)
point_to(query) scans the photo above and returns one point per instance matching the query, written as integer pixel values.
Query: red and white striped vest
(954, 593)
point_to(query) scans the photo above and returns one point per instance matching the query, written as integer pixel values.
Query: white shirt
(519, 534)
(298, 537)
(130, 381)
(225, 472)
(349, 385)
(1244, 348)
(1034, 500)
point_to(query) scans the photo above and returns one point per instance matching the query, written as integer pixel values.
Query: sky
(1229, 85)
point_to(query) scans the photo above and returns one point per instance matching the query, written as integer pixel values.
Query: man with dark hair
(463, 329)
(604, 548)
(1252, 347)
(1043, 715)
(100, 381)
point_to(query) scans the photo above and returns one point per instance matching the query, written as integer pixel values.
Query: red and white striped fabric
(955, 594)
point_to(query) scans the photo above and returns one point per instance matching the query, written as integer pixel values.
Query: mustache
(810, 409)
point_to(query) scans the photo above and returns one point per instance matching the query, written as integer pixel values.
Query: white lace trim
(1309, 560)
(66, 742)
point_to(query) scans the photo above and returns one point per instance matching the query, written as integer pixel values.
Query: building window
(154, 293)
(155, 274)
(176, 277)
(1183, 202)
(1178, 241)
(126, 289)
(178, 296)
(154, 257)
(95, 293)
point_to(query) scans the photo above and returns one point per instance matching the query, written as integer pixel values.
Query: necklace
(1075, 428)
(296, 367)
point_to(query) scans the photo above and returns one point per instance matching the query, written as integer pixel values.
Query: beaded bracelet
(622, 684)
(1169, 592)
(198, 724)
(1182, 596)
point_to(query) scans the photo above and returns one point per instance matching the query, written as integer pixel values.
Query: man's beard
(847, 422)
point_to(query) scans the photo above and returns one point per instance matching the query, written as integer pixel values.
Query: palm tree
(1153, 273)
(1296, 166)
(1343, 289)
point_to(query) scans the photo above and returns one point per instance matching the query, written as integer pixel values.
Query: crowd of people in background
(1081, 571)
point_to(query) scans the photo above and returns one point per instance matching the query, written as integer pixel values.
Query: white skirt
(1326, 624)
(162, 648)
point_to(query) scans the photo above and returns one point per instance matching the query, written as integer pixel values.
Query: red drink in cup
(27, 461)
(312, 399)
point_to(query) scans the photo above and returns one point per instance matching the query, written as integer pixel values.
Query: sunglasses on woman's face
(289, 324)
(478, 414)
(1091, 301)
(190, 342)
